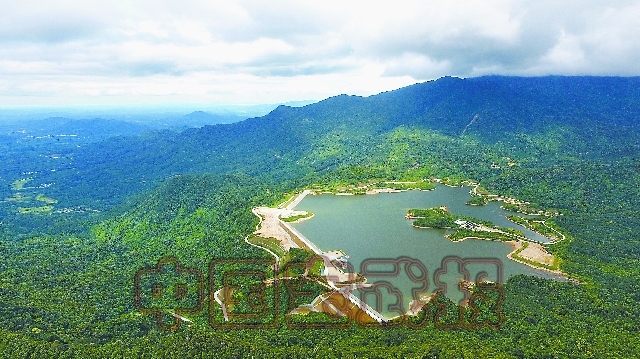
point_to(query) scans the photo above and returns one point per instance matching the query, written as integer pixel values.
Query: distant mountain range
(201, 118)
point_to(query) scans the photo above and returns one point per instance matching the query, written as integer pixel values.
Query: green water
(373, 227)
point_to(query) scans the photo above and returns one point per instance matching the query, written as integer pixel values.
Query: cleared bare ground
(537, 253)
(270, 226)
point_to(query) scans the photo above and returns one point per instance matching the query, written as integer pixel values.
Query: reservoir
(372, 229)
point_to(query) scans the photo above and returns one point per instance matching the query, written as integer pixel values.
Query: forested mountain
(569, 143)
(201, 118)
(538, 119)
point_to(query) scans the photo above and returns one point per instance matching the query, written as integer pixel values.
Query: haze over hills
(97, 129)
(170, 115)
(567, 143)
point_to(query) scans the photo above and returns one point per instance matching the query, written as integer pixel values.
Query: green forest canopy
(66, 285)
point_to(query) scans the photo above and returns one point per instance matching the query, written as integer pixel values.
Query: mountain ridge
(539, 117)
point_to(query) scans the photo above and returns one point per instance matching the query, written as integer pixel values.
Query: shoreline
(515, 244)
(302, 219)
(297, 239)
(553, 241)
(293, 202)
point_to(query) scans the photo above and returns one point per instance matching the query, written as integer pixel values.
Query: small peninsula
(526, 251)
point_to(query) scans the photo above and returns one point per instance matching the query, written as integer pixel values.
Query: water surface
(369, 227)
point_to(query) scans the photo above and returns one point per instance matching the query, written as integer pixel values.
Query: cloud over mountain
(68, 52)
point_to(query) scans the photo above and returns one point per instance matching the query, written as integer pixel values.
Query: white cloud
(67, 52)
(418, 65)
(566, 55)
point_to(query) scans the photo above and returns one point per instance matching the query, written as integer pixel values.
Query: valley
(566, 169)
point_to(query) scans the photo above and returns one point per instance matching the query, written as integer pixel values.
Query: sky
(107, 53)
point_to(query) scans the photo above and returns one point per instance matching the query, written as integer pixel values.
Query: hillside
(538, 122)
